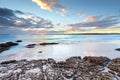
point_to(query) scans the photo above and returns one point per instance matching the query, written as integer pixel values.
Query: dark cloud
(98, 22)
(19, 12)
(16, 18)
(6, 12)
(6, 22)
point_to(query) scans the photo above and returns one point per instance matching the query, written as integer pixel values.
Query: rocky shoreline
(73, 68)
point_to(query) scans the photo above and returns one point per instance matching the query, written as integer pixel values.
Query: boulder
(103, 61)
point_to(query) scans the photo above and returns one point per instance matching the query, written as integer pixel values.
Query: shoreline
(61, 51)
(73, 68)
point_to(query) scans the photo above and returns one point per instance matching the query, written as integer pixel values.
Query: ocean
(69, 45)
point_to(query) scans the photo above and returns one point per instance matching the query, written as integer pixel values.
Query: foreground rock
(74, 68)
(103, 61)
(115, 65)
(7, 45)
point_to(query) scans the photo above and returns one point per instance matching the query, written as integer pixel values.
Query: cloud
(92, 22)
(64, 11)
(15, 21)
(81, 14)
(16, 18)
(50, 5)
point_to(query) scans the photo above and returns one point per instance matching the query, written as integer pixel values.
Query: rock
(77, 78)
(52, 74)
(74, 68)
(6, 46)
(11, 43)
(19, 41)
(118, 49)
(51, 61)
(40, 52)
(30, 45)
(73, 62)
(8, 62)
(104, 76)
(103, 61)
(86, 76)
(118, 74)
(60, 64)
(3, 48)
(115, 65)
(68, 73)
(53, 43)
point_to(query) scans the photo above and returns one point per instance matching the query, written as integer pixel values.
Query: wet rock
(51, 61)
(118, 49)
(115, 65)
(6, 46)
(68, 73)
(118, 74)
(83, 76)
(74, 68)
(8, 62)
(53, 43)
(53, 74)
(77, 78)
(32, 74)
(30, 45)
(103, 61)
(86, 76)
(73, 62)
(19, 41)
(61, 64)
(104, 76)
(40, 52)
(60, 78)
(11, 43)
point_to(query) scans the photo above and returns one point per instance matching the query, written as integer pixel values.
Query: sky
(59, 16)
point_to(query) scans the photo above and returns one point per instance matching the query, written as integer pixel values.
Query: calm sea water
(59, 38)
(70, 45)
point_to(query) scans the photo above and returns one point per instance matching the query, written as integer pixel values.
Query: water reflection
(70, 45)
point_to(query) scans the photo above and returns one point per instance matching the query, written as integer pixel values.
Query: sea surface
(69, 45)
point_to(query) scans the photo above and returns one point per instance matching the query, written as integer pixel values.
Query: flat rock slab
(74, 68)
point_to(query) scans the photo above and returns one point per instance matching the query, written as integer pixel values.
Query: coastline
(61, 61)
(73, 68)
(62, 51)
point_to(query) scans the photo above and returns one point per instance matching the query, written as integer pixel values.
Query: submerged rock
(40, 52)
(118, 49)
(30, 45)
(19, 41)
(53, 43)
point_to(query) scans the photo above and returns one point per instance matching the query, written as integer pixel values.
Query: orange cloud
(64, 11)
(90, 19)
(43, 4)
(50, 5)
